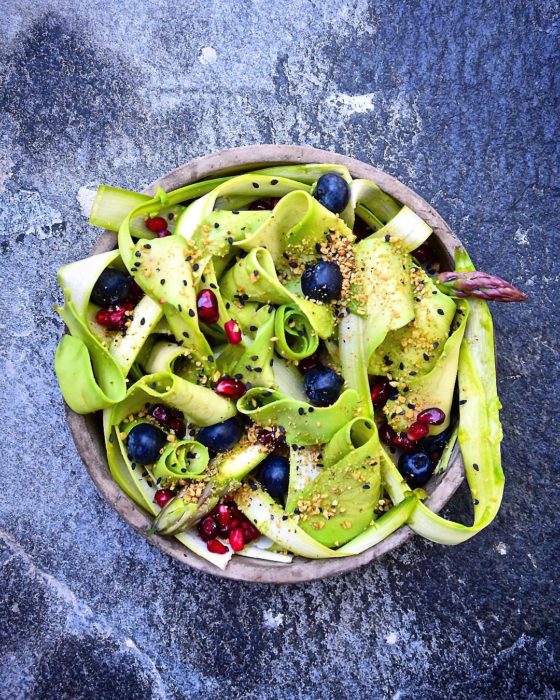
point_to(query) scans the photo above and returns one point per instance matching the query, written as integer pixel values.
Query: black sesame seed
(185, 334)
(426, 357)
(475, 501)
(254, 358)
(191, 313)
(475, 467)
(256, 185)
(138, 254)
(387, 238)
(162, 282)
(147, 246)
(195, 267)
(366, 486)
(216, 225)
(235, 211)
(253, 328)
(413, 373)
(462, 402)
(440, 312)
(274, 182)
(301, 411)
(435, 344)
(229, 240)
(142, 321)
(185, 283)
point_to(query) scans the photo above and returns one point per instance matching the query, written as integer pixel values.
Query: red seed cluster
(227, 522)
(417, 431)
(170, 418)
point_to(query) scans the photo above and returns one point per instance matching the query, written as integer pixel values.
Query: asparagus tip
(481, 285)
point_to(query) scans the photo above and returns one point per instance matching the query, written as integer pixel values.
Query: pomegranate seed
(271, 438)
(113, 320)
(156, 224)
(207, 306)
(250, 533)
(236, 539)
(361, 229)
(170, 418)
(309, 362)
(163, 234)
(264, 204)
(424, 253)
(216, 547)
(233, 332)
(404, 443)
(234, 523)
(207, 528)
(136, 293)
(380, 391)
(417, 431)
(234, 510)
(387, 434)
(230, 388)
(431, 416)
(223, 516)
(163, 496)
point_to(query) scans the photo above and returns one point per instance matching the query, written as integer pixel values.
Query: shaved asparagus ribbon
(279, 326)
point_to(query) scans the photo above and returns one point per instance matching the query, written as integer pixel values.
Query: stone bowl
(87, 432)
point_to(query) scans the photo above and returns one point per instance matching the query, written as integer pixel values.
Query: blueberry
(144, 443)
(221, 437)
(322, 385)
(322, 281)
(332, 192)
(275, 475)
(112, 288)
(416, 467)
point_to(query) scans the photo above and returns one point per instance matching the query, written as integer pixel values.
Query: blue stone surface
(459, 101)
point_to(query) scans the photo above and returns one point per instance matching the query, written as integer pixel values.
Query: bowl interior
(87, 433)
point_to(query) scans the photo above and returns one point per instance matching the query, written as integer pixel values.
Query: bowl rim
(85, 429)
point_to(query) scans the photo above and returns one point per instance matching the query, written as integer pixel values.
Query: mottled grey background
(459, 101)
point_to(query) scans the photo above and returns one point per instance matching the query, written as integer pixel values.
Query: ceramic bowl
(86, 430)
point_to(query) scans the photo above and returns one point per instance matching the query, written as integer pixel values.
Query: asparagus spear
(478, 284)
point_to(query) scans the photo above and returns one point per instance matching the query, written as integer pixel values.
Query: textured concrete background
(455, 99)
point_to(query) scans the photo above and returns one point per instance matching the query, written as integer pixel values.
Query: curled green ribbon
(295, 336)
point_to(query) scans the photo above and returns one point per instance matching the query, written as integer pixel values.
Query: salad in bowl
(281, 364)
